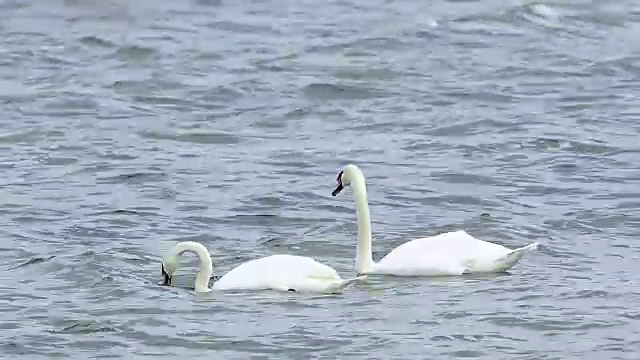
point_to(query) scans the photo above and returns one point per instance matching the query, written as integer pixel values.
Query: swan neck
(205, 267)
(364, 259)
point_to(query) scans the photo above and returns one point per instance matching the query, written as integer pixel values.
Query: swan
(276, 272)
(451, 253)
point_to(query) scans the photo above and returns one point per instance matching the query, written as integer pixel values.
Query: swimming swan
(276, 272)
(451, 253)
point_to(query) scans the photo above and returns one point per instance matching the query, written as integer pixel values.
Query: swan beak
(167, 278)
(337, 190)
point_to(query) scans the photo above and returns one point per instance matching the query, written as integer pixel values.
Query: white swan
(452, 253)
(276, 272)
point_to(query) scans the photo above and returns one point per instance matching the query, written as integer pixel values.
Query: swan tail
(340, 285)
(513, 257)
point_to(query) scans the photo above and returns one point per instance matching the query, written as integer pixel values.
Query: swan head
(171, 262)
(169, 267)
(346, 177)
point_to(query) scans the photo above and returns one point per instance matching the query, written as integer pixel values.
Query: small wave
(217, 138)
(96, 41)
(134, 53)
(325, 91)
(135, 177)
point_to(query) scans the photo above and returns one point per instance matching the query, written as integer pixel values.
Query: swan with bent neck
(281, 272)
(451, 253)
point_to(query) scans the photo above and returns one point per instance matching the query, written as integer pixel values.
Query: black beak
(167, 278)
(337, 190)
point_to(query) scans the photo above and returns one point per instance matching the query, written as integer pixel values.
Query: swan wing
(275, 272)
(451, 253)
(304, 267)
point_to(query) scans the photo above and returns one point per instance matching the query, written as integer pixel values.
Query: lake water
(126, 126)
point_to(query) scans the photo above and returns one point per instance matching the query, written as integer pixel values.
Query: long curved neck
(364, 258)
(206, 267)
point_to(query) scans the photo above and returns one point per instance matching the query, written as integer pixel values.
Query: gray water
(126, 126)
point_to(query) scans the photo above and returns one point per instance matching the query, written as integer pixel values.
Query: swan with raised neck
(451, 253)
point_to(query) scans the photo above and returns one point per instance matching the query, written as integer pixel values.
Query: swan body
(451, 253)
(276, 272)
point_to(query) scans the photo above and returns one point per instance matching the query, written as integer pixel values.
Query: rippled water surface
(126, 126)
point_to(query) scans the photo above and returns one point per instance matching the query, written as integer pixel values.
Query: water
(127, 126)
